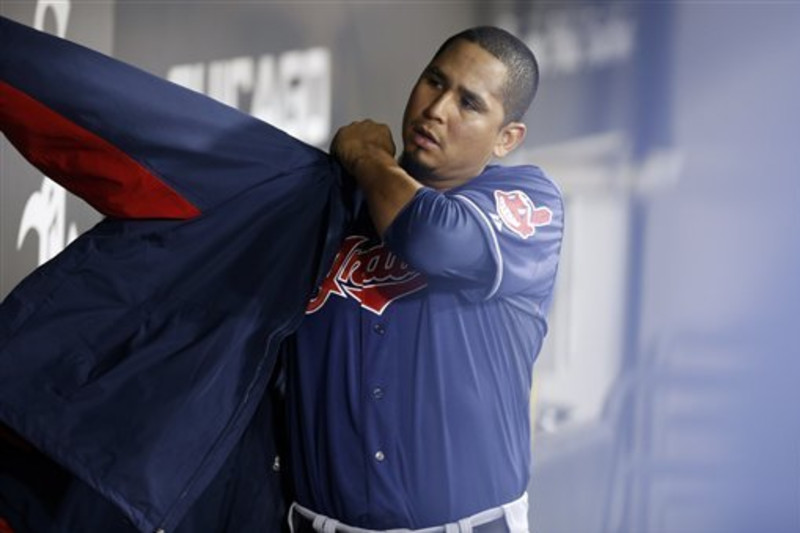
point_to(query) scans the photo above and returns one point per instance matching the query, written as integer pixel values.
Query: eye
(469, 103)
(434, 81)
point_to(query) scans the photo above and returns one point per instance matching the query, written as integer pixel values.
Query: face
(453, 122)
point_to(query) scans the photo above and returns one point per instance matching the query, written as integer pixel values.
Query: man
(109, 330)
(410, 378)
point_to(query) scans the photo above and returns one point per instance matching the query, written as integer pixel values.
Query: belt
(306, 525)
(302, 521)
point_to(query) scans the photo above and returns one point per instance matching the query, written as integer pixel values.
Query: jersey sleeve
(129, 143)
(498, 235)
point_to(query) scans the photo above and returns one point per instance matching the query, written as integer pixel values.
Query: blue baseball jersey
(409, 391)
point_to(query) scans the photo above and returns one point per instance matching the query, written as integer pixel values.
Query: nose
(436, 109)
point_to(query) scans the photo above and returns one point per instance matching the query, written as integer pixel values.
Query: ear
(510, 136)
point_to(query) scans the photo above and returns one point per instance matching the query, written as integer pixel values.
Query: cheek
(475, 140)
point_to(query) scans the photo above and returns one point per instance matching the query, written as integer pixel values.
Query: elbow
(439, 238)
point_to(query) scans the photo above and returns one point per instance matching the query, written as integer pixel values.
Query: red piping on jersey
(91, 167)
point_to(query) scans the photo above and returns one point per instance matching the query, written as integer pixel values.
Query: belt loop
(465, 525)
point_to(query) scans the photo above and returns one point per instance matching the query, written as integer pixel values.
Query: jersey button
(379, 456)
(377, 393)
(379, 329)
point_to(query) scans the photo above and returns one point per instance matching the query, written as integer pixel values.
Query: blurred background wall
(665, 397)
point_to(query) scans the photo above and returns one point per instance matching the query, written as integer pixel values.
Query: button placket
(375, 332)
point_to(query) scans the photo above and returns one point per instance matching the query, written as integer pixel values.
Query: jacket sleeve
(497, 235)
(129, 143)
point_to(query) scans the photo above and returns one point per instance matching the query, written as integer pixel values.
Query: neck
(429, 179)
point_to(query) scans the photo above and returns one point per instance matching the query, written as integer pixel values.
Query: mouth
(424, 138)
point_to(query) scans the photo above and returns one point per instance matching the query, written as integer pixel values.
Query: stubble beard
(415, 169)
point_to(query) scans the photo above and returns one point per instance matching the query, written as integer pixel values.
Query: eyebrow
(472, 96)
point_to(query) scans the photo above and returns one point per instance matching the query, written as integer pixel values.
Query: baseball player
(410, 380)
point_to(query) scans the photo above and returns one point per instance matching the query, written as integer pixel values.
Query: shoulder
(527, 176)
(497, 180)
(510, 192)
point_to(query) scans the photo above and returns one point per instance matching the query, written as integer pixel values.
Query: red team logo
(519, 214)
(373, 276)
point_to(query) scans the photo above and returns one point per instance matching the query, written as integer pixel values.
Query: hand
(362, 140)
(366, 151)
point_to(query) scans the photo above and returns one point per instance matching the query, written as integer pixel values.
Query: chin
(411, 164)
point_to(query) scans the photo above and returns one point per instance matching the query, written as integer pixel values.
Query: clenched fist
(361, 140)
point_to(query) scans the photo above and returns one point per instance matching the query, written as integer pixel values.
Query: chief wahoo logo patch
(519, 214)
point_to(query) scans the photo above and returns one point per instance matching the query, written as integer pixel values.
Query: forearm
(366, 150)
(386, 186)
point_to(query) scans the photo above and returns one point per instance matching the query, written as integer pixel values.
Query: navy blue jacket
(137, 357)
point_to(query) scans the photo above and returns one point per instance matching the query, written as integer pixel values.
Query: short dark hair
(522, 79)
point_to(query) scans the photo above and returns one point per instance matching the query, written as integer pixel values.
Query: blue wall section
(699, 432)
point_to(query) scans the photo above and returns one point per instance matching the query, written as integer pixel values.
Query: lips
(424, 138)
